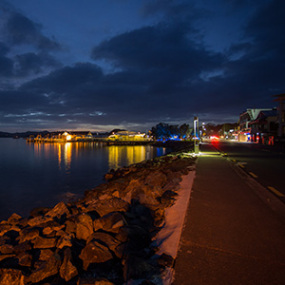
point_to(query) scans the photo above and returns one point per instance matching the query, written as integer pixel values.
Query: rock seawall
(104, 238)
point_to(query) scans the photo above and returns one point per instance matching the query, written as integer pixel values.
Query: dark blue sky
(98, 65)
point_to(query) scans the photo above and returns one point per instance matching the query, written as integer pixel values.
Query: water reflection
(39, 175)
(131, 154)
(118, 156)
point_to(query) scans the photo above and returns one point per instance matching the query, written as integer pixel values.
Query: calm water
(39, 175)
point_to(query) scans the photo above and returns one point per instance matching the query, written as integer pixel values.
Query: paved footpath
(234, 230)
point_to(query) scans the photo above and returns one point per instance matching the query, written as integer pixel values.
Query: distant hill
(22, 135)
(43, 134)
(5, 135)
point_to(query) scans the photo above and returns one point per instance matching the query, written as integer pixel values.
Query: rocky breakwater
(104, 238)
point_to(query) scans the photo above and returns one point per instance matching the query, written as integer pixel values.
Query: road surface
(263, 163)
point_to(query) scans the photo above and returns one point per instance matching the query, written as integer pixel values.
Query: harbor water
(43, 174)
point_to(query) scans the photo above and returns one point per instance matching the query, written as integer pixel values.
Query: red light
(214, 138)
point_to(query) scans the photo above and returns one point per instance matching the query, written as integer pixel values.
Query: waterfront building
(258, 125)
(128, 136)
(281, 114)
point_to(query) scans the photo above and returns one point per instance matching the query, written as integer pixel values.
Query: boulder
(120, 250)
(50, 228)
(103, 282)
(14, 219)
(123, 234)
(107, 206)
(65, 240)
(28, 234)
(41, 242)
(156, 178)
(58, 210)
(134, 183)
(46, 254)
(165, 260)
(167, 199)
(4, 239)
(6, 249)
(5, 228)
(21, 247)
(105, 239)
(39, 211)
(110, 222)
(45, 269)
(5, 256)
(25, 259)
(94, 281)
(11, 277)
(67, 270)
(84, 226)
(94, 252)
(70, 226)
(159, 217)
(38, 220)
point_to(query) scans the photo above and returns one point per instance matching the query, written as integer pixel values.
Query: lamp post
(196, 135)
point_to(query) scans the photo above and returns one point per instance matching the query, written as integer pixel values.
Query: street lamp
(196, 135)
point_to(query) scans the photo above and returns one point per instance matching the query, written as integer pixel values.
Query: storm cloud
(163, 71)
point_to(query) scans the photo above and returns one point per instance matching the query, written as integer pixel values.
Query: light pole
(196, 135)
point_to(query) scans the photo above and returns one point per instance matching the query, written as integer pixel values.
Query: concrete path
(234, 231)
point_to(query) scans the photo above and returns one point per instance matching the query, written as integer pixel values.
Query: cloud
(25, 52)
(163, 72)
(258, 71)
(32, 63)
(21, 30)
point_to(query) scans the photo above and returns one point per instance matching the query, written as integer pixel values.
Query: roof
(271, 113)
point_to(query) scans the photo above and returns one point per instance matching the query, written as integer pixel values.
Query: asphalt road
(265, 164)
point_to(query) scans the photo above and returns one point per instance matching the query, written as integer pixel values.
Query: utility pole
(196, 135)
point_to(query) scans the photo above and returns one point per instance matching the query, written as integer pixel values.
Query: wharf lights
(196, 135)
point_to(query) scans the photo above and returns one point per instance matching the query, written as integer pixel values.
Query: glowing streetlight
(196, 135)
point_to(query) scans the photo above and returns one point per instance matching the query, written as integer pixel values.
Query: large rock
(11, 277)
(105, 239)
(94, 252)
(58, 210)
(14, 219)
(84, 226)
(6, 256)
(39, 211)
(168, 198)
(45, 269)
(50, 228)
(107, 206)
(6, 249)
(70, 227)
(28, 234)
(41, 242)
(94, 281)
(25, 259)
(46, 254)
(133, 185)
(65, 240)
(38, 220)
(5, 228)
(110, 222)
(22, 247)
(67, 270)
(4, 239)
(156, 178)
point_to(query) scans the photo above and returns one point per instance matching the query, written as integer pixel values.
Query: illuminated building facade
(257, 124)
(281, 114)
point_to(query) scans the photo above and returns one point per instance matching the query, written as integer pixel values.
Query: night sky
(98, 65)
